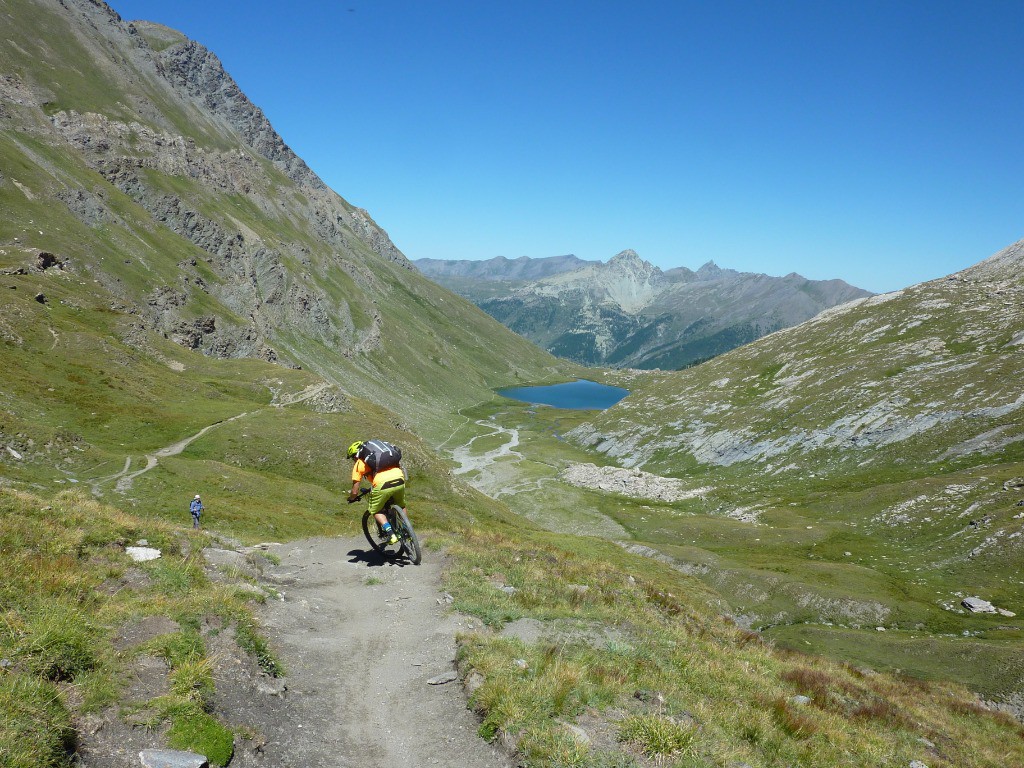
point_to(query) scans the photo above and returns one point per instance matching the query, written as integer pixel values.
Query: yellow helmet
(353, 449)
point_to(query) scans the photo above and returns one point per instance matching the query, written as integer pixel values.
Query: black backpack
(379, 455)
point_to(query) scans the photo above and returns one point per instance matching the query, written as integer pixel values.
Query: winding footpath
(123, 480)
(361, 638)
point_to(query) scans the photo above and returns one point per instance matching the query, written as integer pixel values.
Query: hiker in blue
(196, 508)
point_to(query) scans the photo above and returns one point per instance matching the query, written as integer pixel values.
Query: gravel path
(358, 656)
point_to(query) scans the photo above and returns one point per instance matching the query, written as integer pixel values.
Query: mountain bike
(408, 542)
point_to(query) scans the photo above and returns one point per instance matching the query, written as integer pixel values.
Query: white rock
(578, 735)
(14, 453)
(473, 682)
(142, 554)
(977, 605)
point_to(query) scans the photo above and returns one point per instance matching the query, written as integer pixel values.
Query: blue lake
(575, 395)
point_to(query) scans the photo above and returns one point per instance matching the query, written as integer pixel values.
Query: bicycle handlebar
(362, 493)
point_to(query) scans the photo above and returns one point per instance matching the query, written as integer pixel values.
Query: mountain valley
(838, 482)
(628, 313)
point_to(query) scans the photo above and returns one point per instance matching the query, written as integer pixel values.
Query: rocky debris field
(629, 482)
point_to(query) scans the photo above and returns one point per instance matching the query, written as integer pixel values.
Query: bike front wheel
(372, 532)
(410, 541)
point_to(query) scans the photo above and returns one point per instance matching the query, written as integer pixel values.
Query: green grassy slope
(632, 651)
(877, 448)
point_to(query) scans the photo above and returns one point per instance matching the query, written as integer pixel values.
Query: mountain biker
(388, 484)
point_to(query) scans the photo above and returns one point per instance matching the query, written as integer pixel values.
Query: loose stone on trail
(444, 678)
(172, 758)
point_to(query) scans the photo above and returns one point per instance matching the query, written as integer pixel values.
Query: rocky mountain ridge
(499, 268)
(629, 313)
(133, 155)
(964, 332)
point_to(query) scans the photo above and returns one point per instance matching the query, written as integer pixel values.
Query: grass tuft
(195, 730)
(814, 683)
(553, 749)
(795, 723)
(657, 736)
(35, 726)
(58, 642)
(252, 642)
(881, 710)
(192, 680)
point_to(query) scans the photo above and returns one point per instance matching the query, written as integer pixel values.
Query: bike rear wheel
(410, 542)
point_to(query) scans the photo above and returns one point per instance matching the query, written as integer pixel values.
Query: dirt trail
(124, 480)
(358, 656)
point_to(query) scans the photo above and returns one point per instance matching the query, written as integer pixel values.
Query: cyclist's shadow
(375, 559)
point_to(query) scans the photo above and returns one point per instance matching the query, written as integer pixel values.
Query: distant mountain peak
(627, 255)
(628, 262)
(709, 268)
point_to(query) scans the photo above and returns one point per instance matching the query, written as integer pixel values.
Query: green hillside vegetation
(642, 658)
(165, 216)
(677, 685)
(878, 447)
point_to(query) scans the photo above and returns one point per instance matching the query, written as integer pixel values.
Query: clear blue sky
(879, 142)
